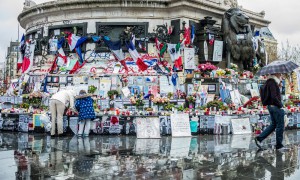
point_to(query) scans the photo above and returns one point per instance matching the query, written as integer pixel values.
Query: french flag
(22, 48)
(75, 41)
(28, 57)
(116, 49)
(135, 56)
(60, 52)
(141, 46)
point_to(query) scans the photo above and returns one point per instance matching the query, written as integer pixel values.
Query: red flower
(114, 120)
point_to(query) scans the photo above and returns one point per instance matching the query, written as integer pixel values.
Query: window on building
(120, 31)
(36, 35)
(59, 31)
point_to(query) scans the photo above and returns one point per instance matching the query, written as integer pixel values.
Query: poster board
(180, 124)
(189, 58)
(165, 125)
(165, 85)
(37, 121)
(23, 123)
(218, 51)
(148, 127)
(241, 126)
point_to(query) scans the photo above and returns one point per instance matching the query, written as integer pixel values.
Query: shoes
(257, 142)
(79, 135)
(282, 149)
(85, 135)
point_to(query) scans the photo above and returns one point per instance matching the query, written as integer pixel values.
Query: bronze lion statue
(237, 36)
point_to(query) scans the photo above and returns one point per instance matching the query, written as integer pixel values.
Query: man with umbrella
(271, 97)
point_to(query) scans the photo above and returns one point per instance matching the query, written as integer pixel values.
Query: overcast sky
(283, 15)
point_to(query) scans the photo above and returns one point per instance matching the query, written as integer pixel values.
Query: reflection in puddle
(109, 157)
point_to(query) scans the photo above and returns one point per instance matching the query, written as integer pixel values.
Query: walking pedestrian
(84, 105)
(58, 103)
(271, 97)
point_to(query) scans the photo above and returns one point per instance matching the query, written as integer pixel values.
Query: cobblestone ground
(28, 156)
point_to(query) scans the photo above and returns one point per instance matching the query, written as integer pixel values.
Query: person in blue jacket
(85, 108)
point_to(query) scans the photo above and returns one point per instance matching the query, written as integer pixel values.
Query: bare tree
(289, 52)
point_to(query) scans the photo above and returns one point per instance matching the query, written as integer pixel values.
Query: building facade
(49, 20)
(13, 54)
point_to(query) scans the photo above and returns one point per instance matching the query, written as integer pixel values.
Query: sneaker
(79, 135)
(85, 135)
(258, 143)
(282, 149)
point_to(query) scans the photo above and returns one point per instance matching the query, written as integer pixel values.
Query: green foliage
(216, 103)
(168, 107)
(180, 108)
(112, 92)
(92, 89)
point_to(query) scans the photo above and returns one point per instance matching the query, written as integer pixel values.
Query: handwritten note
(180, 125)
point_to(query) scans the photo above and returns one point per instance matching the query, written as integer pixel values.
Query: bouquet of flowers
(207, 67)
(233, 66)
(221, 72)
(191, 99)
(160, 100)
(256, 68)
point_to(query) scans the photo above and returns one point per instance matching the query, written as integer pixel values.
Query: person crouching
(85, 108)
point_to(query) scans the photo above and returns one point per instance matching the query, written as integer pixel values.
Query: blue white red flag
(116, 49)
(22, 48)
(75, 41)
(136, 56)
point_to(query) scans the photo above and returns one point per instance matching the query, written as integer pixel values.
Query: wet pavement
(28, 156)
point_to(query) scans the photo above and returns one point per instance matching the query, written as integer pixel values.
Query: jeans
(84, 127)
(277, 122)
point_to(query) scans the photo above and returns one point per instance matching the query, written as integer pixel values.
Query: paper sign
(165, 86)
(241, 126)
(218, 50)
(189, 58)
(165, 125)
(148, 127)
(180, 124)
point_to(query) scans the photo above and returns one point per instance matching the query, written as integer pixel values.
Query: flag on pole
(116, 49)
(28, 57)
(22, 49)
(136, 56)
(174, 51)
(60, 52)
(187, 36)
(141, 46)
(161, 47)
(75, 41)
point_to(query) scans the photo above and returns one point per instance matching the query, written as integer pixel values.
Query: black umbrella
(279, 66)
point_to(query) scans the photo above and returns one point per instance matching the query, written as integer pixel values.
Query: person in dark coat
(84, 105)
(271, 97)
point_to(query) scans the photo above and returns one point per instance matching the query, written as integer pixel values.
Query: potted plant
(92, 89)
(206, 69)
(191, 100)
(170, 95)
(112, 94)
